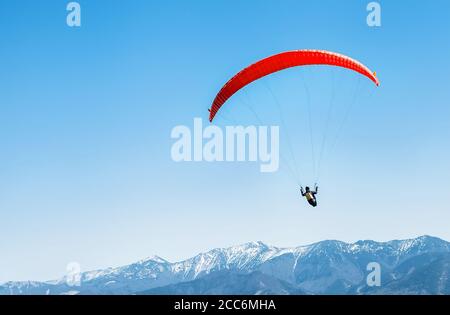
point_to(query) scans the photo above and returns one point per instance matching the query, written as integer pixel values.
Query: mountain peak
(428, 238)
(251, 247)
(255, 244)
(154, 258)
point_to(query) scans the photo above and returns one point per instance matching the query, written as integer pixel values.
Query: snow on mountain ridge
(154, 258)
(244, 257)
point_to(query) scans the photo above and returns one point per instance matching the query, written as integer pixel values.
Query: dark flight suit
(311, 197)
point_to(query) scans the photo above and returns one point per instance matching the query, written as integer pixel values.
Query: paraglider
(310, 195)
(281, 62)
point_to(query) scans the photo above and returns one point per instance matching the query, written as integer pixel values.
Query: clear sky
(86, 115)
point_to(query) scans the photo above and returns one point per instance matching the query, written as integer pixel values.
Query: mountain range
(413, 266)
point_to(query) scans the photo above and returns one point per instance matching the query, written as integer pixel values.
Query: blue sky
(86, 116)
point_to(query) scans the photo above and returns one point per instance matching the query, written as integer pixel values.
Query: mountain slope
(229, 283)
(427, 274)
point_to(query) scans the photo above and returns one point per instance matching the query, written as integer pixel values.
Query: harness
(309, 196)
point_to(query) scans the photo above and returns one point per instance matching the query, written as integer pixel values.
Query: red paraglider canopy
(283, 61)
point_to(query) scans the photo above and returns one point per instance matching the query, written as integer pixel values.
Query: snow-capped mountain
(325, 267)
